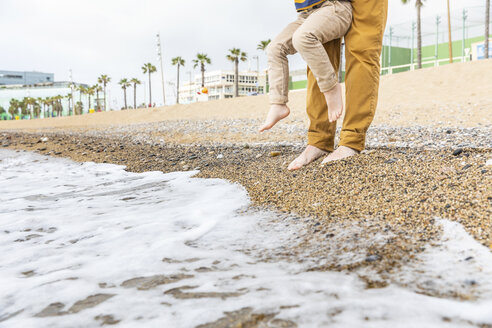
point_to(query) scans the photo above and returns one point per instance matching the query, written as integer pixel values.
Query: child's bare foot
(335, 103)
(340, 153)
(276, 113)
(309, 155)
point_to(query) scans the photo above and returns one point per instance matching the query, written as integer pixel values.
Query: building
(25, 78)
(47, 90)
(220, 85)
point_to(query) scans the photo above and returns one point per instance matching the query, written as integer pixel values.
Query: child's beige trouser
(307, 35)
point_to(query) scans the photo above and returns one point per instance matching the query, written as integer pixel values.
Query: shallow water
(77, 235)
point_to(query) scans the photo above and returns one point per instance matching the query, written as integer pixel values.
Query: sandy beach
(427, 158)
(453, 96)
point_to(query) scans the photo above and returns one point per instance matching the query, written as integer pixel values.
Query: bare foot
(276, 113)
(340, 153)
(309, 155)
(335, 103)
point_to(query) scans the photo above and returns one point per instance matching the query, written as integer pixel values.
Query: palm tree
(149, 69)
(24, 107)
(14, 107)
(90, 92)
(28, 104)
(450, 37)
(179, 62)
(56, 106)
(70, 105)
(78, 108)
(124, 84)
(82, 91)
(40, 101)
(104, 80)
(46, 108)
(32, 107)
(60, 106)
(135, 82)
(37, 109)
(263, 45)
(202, 59)
(98, 89)
(418, 5)
(487, 23)
(235, 55)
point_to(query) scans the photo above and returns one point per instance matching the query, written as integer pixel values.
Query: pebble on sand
(458, 151)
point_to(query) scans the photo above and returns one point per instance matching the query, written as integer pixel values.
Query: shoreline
(390, 190)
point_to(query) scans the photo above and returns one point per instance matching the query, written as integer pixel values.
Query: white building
(220, 85)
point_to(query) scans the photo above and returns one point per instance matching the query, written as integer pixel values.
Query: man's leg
(321, 134)
(363, 44)
(363, 50)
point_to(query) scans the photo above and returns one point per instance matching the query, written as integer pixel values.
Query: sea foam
(70, 230)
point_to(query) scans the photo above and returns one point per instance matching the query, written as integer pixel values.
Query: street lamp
(438, 21)
(159, 55)
(465, 16)
(71, 92)
(257, 73)
(391, 46)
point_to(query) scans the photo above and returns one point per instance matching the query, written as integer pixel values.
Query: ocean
(85, 244)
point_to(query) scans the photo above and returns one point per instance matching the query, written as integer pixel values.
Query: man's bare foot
(334, 101)
(276, 113)
(340, 153)
(309, 155)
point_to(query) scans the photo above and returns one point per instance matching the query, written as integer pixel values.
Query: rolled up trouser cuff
(320, 141)
(354, 140)
(278, 100)
(327, 86)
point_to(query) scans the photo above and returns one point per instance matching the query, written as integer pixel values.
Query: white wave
(70, 230)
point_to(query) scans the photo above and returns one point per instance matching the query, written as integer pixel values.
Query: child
(318, 22)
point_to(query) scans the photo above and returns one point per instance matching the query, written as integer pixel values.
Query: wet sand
(390, 190)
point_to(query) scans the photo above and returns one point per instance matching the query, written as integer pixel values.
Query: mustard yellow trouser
(363, 44)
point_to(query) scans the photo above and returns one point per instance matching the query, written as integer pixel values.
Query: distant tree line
(31, 108)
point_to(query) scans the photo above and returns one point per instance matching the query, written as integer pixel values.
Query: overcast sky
(115, 37)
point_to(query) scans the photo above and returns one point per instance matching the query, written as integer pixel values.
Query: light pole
(438, 21)
(159, 54)
(414, 26)
(450, 39)
(465, 16)
(145, 93)
(257, 73)
(190, 88)
(389, 53)
(487, 23)
(71, 92)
